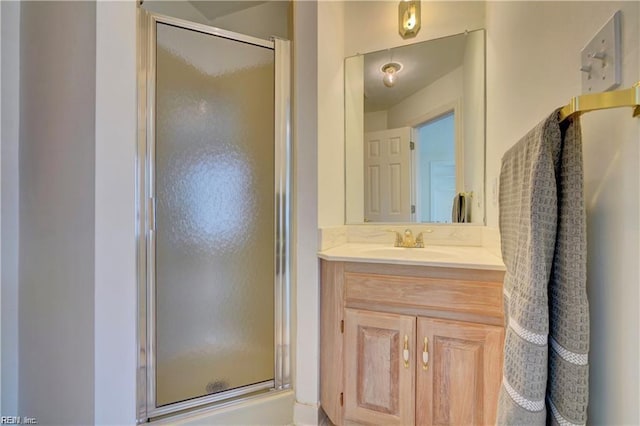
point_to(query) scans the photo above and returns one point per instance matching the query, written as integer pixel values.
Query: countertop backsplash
(434, 234)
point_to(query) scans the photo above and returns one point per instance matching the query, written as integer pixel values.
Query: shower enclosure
(213, 185)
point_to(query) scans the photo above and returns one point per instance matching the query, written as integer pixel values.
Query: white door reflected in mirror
(387, 180)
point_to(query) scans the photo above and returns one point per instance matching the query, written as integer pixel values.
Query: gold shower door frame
(146, 405)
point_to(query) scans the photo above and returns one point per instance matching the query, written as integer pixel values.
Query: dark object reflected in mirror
(415, 128)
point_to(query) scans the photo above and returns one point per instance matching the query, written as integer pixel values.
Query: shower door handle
(152, 214)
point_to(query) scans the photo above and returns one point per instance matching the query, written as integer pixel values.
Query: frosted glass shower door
(215, 202)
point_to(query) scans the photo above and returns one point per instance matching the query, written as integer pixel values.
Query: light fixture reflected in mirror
(409, 18)
(390, 71)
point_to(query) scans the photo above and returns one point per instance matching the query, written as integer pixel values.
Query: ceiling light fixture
(390, 71)
(409, 18)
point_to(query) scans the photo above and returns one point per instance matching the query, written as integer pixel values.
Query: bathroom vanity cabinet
(407, 344)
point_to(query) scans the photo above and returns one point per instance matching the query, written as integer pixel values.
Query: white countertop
(473, 257)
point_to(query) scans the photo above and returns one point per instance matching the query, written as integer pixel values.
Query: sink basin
(411, 253)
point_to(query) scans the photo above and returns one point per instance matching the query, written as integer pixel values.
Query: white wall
(331, 39)
(56, 248)
(473, 113)
(532, 68)
(10, 82)
(319, 89)
(115, 233)
(421, 105)
(305, 186)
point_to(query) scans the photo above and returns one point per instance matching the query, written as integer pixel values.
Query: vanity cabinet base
(399, 347)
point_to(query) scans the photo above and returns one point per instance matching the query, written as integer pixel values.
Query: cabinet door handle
(425, 354)
(405, 351)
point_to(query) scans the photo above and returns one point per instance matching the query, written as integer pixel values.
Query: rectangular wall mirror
(415, 132)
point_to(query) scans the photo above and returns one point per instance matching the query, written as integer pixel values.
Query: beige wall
(533, 67)
(354, 138)
(373, 25)
(374, 121)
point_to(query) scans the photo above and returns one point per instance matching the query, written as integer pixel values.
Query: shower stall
(213, 215)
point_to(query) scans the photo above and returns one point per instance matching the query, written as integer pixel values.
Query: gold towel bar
(595, 101)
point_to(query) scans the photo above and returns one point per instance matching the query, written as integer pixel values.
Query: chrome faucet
(407, 240)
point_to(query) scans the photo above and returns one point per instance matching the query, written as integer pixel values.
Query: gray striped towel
(542, 227)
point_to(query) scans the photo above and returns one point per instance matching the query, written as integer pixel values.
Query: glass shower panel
(214, 189)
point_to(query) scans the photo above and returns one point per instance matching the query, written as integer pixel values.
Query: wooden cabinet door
(380, 384)
(459, 384)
